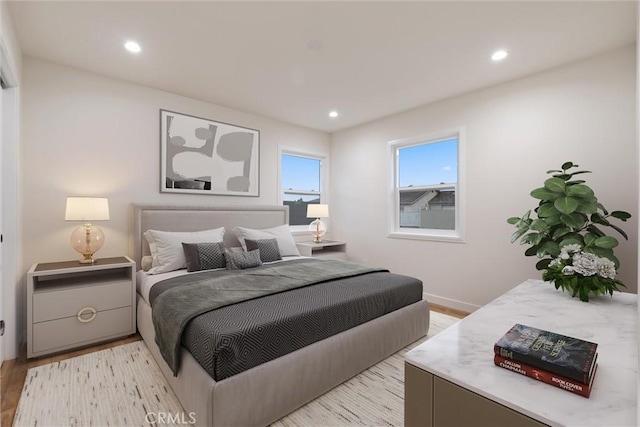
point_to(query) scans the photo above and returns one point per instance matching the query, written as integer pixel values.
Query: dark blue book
(560, 354)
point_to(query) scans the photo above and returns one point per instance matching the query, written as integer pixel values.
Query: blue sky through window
(300, 173)
(429, 164)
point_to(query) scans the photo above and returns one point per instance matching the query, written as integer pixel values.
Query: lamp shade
(87, 209)
(317, 211)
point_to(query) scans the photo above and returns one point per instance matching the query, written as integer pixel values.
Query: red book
(560, 354)
(545, 376)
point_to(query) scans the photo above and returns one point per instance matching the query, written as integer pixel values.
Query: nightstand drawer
(70, 304)
(70, 331)
(59, 304)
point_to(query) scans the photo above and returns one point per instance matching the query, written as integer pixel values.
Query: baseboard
(451, 303)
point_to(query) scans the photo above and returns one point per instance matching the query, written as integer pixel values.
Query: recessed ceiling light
(333, 114)
(499, 55)
(132, 46)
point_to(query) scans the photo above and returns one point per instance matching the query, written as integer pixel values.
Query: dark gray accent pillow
(242, 260)
(269, 249)
(204, 256)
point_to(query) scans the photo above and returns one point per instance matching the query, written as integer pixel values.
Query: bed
(261, 394)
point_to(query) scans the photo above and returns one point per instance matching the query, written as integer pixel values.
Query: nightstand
(327, 249)
(71, 304)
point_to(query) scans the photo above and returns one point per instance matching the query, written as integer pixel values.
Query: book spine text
(574, 375)
(544, 376)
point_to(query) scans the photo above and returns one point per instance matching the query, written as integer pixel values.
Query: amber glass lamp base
(87, 240)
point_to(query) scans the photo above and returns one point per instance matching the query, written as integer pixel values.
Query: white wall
(11, 57)
(84, 134)
(10, 40)
(584, 112)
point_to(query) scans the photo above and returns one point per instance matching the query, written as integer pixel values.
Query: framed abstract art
(203, 156)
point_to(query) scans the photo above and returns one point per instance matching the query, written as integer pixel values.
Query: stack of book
(565, 362)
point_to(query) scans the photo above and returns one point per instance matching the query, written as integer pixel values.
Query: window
(301, 179)
(427, 187)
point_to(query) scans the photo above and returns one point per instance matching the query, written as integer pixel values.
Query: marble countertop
(463, 354)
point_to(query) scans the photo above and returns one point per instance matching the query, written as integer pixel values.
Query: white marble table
(463, 355)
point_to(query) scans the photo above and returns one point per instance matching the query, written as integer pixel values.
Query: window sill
(437, 237)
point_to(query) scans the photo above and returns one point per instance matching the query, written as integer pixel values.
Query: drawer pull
(84, 311)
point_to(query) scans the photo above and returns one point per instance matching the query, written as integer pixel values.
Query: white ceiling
(296, 61)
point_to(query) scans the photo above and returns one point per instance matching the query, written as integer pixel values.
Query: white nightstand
(327, 249)
(71, 304)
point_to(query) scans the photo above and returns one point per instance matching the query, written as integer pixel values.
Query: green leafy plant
(566, 232)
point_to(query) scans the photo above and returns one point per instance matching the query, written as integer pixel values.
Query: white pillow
(166, 247)
(146, 263)
(281, 233)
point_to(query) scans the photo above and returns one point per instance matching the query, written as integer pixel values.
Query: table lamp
(88, 238)
(317, 227)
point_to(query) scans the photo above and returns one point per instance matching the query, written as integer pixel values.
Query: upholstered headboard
(197, 218)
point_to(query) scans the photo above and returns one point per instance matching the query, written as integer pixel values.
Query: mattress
(235, 338)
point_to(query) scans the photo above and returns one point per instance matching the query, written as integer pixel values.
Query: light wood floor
(448, 311)
(14, 372)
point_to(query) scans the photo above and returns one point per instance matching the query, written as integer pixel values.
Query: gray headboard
(197, 218)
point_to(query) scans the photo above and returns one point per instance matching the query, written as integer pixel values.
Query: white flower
(585, 264)
(606, 268)
(572, 248)
(573, 261)
(569, 249)
(555, 261)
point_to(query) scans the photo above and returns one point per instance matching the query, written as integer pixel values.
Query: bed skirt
(268, 392)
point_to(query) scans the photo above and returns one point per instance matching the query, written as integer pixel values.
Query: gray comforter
(177, 301)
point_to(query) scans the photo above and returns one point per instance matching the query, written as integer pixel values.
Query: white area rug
(123, 386)
(114, 387)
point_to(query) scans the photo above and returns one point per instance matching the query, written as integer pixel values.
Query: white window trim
(324, 181)
(393, 209)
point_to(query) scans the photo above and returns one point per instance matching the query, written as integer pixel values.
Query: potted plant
(566, 232)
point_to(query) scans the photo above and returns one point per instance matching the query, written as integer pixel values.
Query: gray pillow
(242, 260)
(204, 256)
(269, 249)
